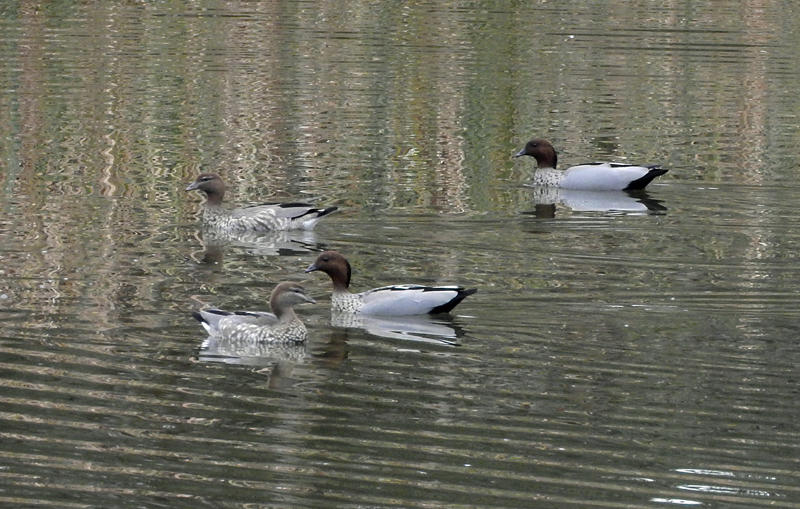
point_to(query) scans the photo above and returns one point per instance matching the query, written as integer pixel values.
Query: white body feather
(591, 176)
(397, 300)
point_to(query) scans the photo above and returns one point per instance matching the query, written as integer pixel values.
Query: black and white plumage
(266, 217)
(242, 327)
(393, 300)
(587, 176)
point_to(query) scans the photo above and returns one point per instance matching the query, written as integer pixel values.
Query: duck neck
(214, 198)
(547, 177)
(339, 287)
(341, 278)
(285, 315)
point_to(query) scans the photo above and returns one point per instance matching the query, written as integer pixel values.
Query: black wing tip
(289, 204)
(640, 183)
(292, 204)
(452, 303)
(326, 211)
(467, 293)
(312, 210)
(197, 316)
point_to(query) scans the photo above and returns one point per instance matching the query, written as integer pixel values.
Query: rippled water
(622, 351)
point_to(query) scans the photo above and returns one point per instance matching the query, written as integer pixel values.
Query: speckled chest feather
(345, 302)
(292, 332)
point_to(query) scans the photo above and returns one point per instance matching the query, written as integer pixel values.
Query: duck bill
(520, 153)
(192, 186)
(311, 268)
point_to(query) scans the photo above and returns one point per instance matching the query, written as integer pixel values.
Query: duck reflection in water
(439, 330)
(547, 199)
(278, 360)
(218, 349)
(278, 243)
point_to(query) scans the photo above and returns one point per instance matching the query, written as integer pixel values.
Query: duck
(266, 217)
(395, 300)
(587, 176)
(243, 327)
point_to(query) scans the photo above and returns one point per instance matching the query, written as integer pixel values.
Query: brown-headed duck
(588, 176)
(388, 300)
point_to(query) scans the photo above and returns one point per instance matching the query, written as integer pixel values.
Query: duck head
(286, 295)
(542, 151)
(334, 265)
(211, 184)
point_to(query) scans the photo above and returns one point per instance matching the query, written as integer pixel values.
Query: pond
(622, 350)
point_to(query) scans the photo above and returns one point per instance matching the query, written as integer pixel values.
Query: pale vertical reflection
(758, 31)
(426, 104)
(31, 94)
(107, 187)
(249, 78)
(38, 283)
(450, 178)
(758, 34)
(108, 50)
(335, 83)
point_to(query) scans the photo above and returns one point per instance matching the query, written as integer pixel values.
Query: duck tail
(455, 301)
(640, 183)
(324, 212)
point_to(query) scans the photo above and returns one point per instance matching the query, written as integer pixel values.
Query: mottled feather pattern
(346, 302)
(547, 178)
(259, 218)
(263, 218)
(243, 333)
(242, 327)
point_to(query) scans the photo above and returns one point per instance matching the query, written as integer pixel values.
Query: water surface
(642, 356)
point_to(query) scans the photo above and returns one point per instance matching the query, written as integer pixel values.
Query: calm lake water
(622, 351)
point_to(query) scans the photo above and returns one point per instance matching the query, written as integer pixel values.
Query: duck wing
(412, 299)
(609, 176)
(280, 216)
(211, 318)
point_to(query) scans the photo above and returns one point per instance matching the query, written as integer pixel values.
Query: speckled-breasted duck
(588, 176)
(388, 300)
(255, 326)
(267, 217)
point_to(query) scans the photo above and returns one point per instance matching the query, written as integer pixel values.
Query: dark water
(643, 356)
